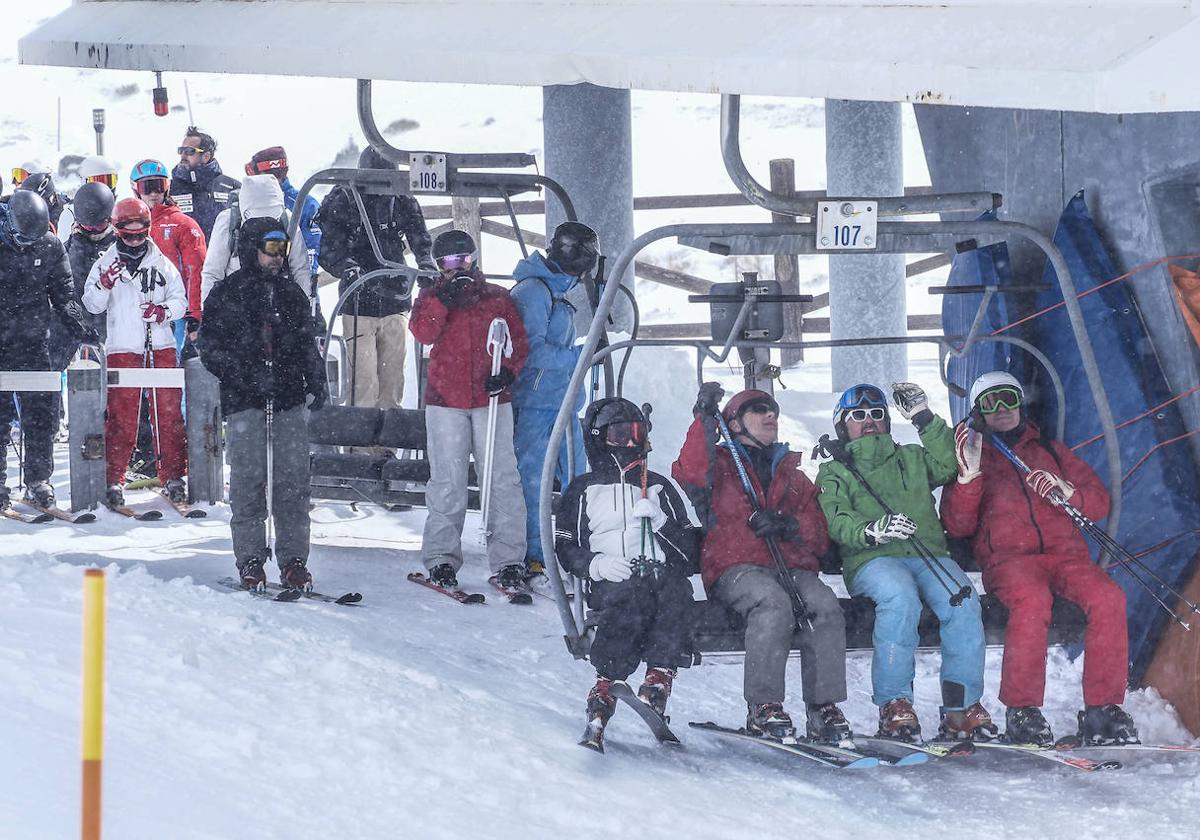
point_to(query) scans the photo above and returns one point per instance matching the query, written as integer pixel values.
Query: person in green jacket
(880, 562)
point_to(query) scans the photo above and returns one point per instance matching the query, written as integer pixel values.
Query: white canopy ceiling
(1107, 56)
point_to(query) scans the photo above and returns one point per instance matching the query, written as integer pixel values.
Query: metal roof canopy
(1110, 56)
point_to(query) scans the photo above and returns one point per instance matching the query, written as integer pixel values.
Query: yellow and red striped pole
(93, 699)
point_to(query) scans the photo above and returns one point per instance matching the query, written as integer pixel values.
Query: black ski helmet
(613, 411)
(574, 248)
(93, 204)
(370, 158)
(42, 184)
(28, 216)
(453, 242)
(250, 234)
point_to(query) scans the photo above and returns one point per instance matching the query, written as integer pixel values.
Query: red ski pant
(121, 422)
(1027, 584)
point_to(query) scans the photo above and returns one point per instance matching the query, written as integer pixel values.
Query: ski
(1051, 754)
(286, 596)
(657, 723)
(513, 594)
(789, 746)
(1073, 742)
(183, 508)
(279, 593)
(149, 515)
(945, 749)
(456, 594)
(84, 518)
(860, 751)
(27, 518)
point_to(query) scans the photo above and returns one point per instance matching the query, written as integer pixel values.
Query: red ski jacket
(182, 242)
(708, 475)
(459, 362)
(1004, 517)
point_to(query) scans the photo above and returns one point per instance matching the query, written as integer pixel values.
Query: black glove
(496, 384)
(350, 274)
(424, 281)
(769, 523)
(708, 399)
(85, 333)
(447, 291)
(317, 398)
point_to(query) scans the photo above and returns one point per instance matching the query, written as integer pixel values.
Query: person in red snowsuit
(1029, 552)
(175, 233)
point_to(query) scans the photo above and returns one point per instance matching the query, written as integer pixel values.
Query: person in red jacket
(453, 315)
(1029, 552)
(738, 570)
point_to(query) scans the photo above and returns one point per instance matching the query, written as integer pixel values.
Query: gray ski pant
(246, 454)
(755, 593)
(452, 436)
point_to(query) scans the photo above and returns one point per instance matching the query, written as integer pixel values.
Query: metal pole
(98, 124)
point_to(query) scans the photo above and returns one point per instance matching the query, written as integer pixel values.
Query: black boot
(1027, 725)
(1108, 724)
(827, 724)
(443, 575)
(771, 720)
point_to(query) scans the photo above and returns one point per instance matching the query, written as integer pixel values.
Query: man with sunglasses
(881, 562)
(1029, 552)
(257, 338)
(199, 187)
(35, 290)
(738, 569)
(141, 292)
(452, 316)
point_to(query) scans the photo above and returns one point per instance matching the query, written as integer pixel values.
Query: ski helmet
(100, 169)
(93, 207)
(131, 217)
(28, 217)
(741, 402)
(994, 379)
(574, 248)
(42, 184)
(372, 159)
(615, 428)
(861, 396)
(148, 168)
(454, 250)
(252, 233)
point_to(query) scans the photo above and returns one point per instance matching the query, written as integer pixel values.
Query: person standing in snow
(624, 530)
(881, 563)
(257, 338)
(35, 287)
(739, 571)
(274, 161)
(375, 321)
(452, 316)
(198, 186)
(141, 292)
(542, 283)
(91, 237)
(1029, 552)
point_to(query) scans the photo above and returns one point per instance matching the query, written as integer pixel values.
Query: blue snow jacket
(203, 192)
(550, 324)
(310, 231)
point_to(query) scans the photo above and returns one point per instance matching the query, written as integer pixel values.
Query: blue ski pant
(898, 586)
(531, 439)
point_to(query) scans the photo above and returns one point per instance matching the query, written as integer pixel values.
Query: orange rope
(1153, 448)
(1175, 398)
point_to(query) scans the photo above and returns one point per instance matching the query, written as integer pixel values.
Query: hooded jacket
(1003, 517)
(35, 287)
(459, 362)
(550, 325)
(155, 280)
(179, 238)
(904, 476)
(308, 221)
(259, 198)
(202, 193)
(251, 319)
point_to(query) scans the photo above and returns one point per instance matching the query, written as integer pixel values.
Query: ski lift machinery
(882, 233)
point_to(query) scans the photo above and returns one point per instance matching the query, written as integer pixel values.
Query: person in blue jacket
(273, 161)
(541, 386)
(198, 186)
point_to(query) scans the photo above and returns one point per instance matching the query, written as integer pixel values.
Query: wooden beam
(811, 325)
(927, 264)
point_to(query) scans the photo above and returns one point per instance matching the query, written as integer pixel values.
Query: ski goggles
(625, 433)
(1003, 397)
(19, 174)
(267, 167)
(861, 415)
(93, 229)
(860, 395)
(132, 227)
(108, 179)
(150, 185)
(274, 244)
(455, 262)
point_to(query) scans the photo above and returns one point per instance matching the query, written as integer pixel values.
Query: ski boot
(771, 720)
(512, 577)
(5, 504)
(827, 724)
(600, 707)
(443, 575)
(656, 689)
(40, 494)
(898, 721)
(1027, 725)
(970, 724)
(114, 496)
(176, 491)
(251, 574)
(294, 574)
(1110, 724)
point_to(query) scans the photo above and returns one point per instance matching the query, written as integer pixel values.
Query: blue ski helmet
(858, 396)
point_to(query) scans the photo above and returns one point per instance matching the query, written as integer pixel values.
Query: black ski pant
(641, 620)
(38, 411)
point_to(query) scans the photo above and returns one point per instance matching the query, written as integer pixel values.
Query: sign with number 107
(846, 225)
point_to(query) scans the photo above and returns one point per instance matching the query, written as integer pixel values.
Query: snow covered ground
(412, 716)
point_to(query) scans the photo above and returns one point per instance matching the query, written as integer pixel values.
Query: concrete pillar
(588, 139)
(867, 294)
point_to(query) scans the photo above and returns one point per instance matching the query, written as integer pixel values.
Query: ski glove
(610, 567)
(889, 528)
(153, 313)
(424, 281)
(317, 399)
(708, 399)
(1044, 483)
(909, 398)
(968, 451)
(769, 523)
(495, 385)
(351, 274)
(649, 508)
(81, 332)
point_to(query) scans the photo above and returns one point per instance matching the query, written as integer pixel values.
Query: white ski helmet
(990, 380)
(94, 165)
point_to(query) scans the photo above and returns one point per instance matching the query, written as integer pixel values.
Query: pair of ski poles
(647, 566)
(1128, 561)
(499, 345)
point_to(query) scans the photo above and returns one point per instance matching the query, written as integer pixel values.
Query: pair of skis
(39, 515)
(522, 595)
(858, 754)
(153, 514)
(275, 592)
(593, 735)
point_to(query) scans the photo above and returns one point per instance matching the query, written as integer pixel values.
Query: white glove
(1043, 483)
(909, 398)
(889, 528)
(610, 567)
(968, 450)
(649, 508)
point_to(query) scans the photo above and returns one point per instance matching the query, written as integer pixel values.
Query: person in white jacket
(142, 292)
(260, 197)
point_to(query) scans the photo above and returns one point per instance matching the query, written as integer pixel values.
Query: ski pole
(269, 412)
(498, 346)
(1124, 557)
(837, 451)
(799, 608)
(148, 361)
(650, 566)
